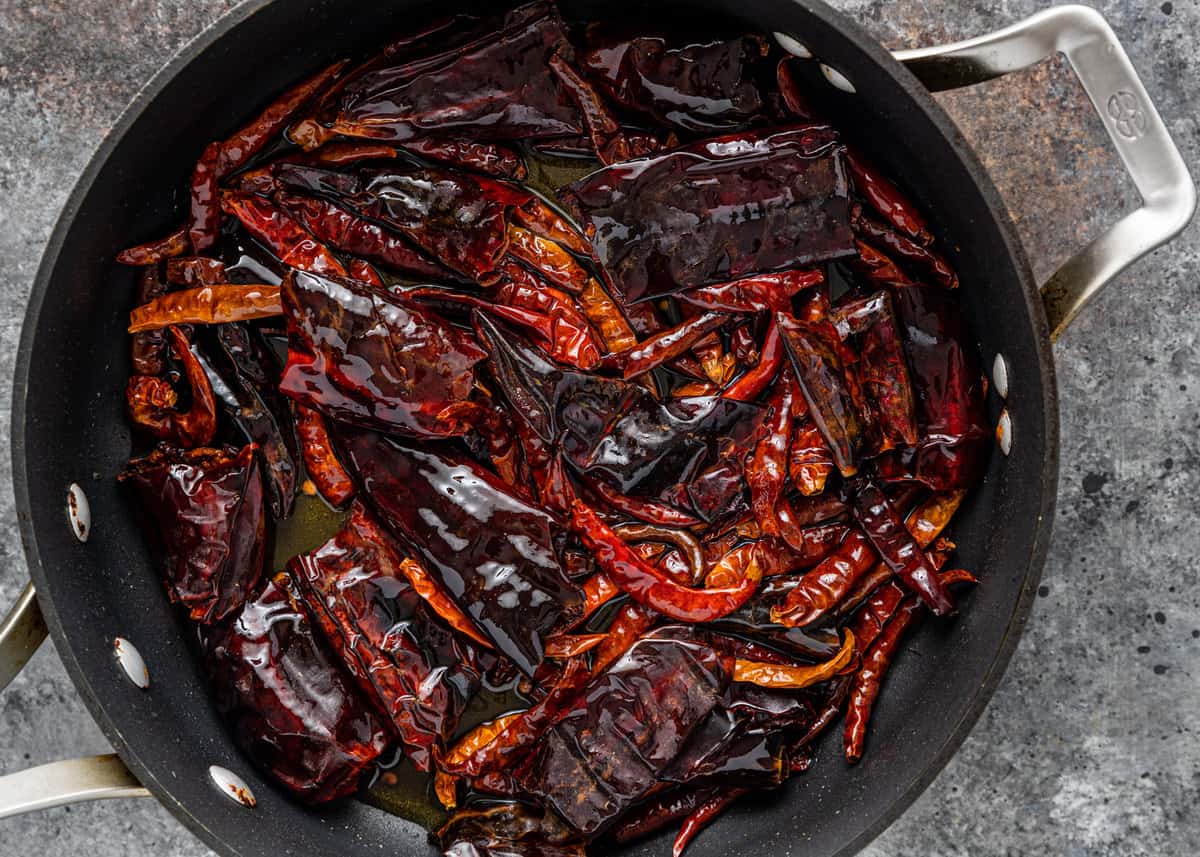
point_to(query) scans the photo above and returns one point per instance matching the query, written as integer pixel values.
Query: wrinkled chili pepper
(782, 676)
(650, 511)
(809, 460)
(176, 244)
(285, 238)
(606, 317)
(751, 385)
(148, 349)
(217, 304)
(703, 816)
(565, 646)
(659, 811)
(766, 471)
(627, 626)
(687, 544)
(899, 550)
(248, 140)
(193, 271)
(667, 345)
(886, 198)
(878, 269)
(649, 586)
(320, 461)
(758, 293)
(919, 255)
(205, 210)
(442, 604)
(152, 401)
(876, 661)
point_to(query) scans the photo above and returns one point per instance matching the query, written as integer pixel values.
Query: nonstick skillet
(125, 648)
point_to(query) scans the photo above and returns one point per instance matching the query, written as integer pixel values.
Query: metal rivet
(79, 513)
(1000, 376)
(838, 79)
(131, 662)
(1004, 432)
(232, 786)
(793, 46)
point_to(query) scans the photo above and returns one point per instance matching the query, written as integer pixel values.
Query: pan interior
(70, 427)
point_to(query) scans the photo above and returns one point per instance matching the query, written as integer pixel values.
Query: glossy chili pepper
(439, 601)
(809, 459)
(886, 198)
(830, 712)
(876, 661)
(929, 261)
(358, 269)
(217, 304)
(668, 344)
(650, 511)
(285, 238)
(766, 471)
(176, 244)
(247, 141)
(193, 271)
(597, 591)
(148, 349)
(758, 293)
(792, 677)
(152, 400)
(350, 233)
(604, 131)
(320, 461)
(744, 345)
(703, 816)
(688, 545)
(606, 317)
(751, 385)
(205, 212)
(207, 507)
(659, 811)
(790, 88)
(899, 550)
(878, 269)
(446, 784)
(882, 366)
(629, 623)
(833, 398)
(651, 587)
(565, 646)
(717, 364)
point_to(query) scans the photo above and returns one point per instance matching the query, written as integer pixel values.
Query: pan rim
(981, 694)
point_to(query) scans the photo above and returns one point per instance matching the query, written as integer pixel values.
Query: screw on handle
(1150, 155)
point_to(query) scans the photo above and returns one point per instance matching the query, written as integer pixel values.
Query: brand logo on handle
(1127, 114)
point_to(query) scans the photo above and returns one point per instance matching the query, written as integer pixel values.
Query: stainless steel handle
(1141, 139)
(57, 783)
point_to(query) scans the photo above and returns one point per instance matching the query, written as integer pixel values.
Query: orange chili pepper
(794, 677)
(218, 304)
(442, 604)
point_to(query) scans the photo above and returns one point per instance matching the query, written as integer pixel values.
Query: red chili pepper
(606, 317)
(794, 99)
(689, 547)
(285, 237)
(205, 219)
(833, 707)
(354, 235)
(651, 587)
(547, 257)
(597, 591)
(193, 271)
(644, 509)
(886, 198)
(820, 589)
(361, 270)
(750, 386)
(250, 139)
(931, 262)
(489, 158)
(151, 401)
(147, 348)
(760, 293)
(668, 344)
(657, 812)
(743, 344)
(878, 269)
(809, 459)
(320, 461)
(563, 646)
(703, 816)
(152, 252)
(207, 305)
(424, 584)
(899, 549)
(766, 471)
(876, 661)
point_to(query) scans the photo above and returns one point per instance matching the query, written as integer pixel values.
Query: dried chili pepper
(205, 200)
(703, 816)
(689, 546)
(886, 198)
(320, 461)
(659, 811)
(649, 586)
(766, 471)
(565, 646)
(247, 141)
(442, 604)
(151, 401)
(877, 268)
(809, 461)
(217, 304)
(650, 511)
(919, 255)
(193, 271)
(876, 661)
(147, 350)
(784, 676)
(758, 293)
(178, 243)
(288, 240)
(667, 345)
(751, 385)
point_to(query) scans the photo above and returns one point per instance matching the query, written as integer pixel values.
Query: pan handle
(1141, 139)
(58, 783)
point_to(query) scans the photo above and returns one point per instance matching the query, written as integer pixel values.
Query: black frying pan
(69, 425)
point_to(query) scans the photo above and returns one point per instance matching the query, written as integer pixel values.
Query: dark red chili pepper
(361, 270)
(648, 510)
(629, 623)
(489, 158)
(831, 393)
(657, 812)
(563, 646)
(899, 549)
(668, 344)
(878, 269)
(809, 459)
(651, 587)
(218, 304)
(206, 203)
(147, 349)
(320, 461)
(886, 198)
(351, 234)
(604, 131)
(750, 386)
(876, 661)
(151, 401)
(152, 252)
(690, 550)
(703, 816)
(193, 271)
(929, 261)
(794, 99)
(758, 293)
(766, 470)
(285, 238)
(820, 589)
(247, 141)
(743, 344)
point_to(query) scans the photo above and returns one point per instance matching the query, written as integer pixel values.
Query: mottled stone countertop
(1091, 745)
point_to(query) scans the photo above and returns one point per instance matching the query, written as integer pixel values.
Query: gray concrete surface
(1090, 746)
